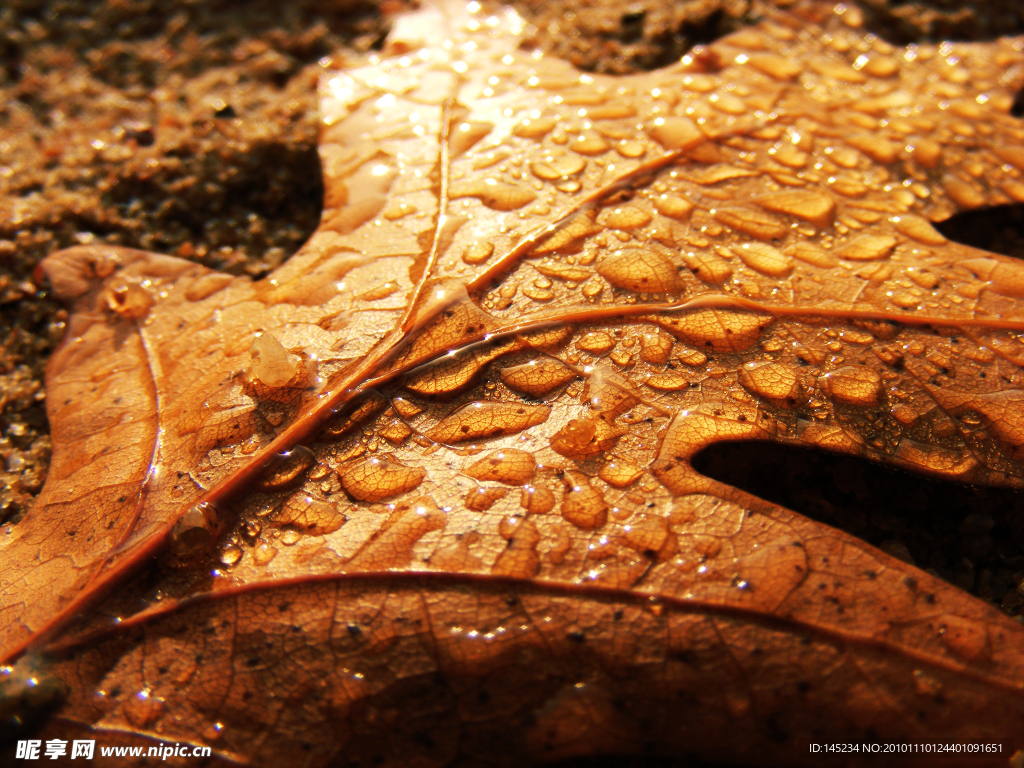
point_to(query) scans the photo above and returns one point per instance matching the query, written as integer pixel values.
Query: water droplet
(482, 420)
(720, 172)
(852, 385)
(392, 546)
(764, 258)
(624, 217)
(775, 66)
(376, 479)
(812, 254)
(673, 206)
(537, 293)
(519, 559)
(655, 347)
(405, 408)
(868, 248)
(537, 377)
(482, 499)
(708, 267)
(926, 152)
(589, 144)
(647, 533)
(641, 269)
(751, 222)
(596, 343)
(1004, 277)
(496, 195)
(773, 381)
(965, 638)
(213, 731)
(619, 473)
(669, 382)
(675, 132)
(263, 553)
(718, 330)
(582, 504)
(478, 252)
(452, 373)
(918, 228)
(309, 515)
(230, 555)
(563, 271)
(509, 466)
(589, 436)
(272, 364)
(382, 291)
(534, 128)
(354, 414)
(287, 469)
(962, 192)
(881, 66)
(728, 103)
(692, 357)
(791, 157)
(290, 538)
(196, 530)
(816, 207)
(876, 147)
(537, 499)
(558, 167)
(466, 134)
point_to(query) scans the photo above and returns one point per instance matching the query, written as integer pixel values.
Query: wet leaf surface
(426, 495)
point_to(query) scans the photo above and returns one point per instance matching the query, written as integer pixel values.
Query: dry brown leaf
(424, 495)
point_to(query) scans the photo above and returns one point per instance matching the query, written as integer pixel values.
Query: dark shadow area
(999, 229)
(256, 208)
(971, 536)
(902, 22)
(1017, 108)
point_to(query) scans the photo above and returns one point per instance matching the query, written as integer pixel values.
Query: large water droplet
(752, 222)
(641, 269)
(816, 207)
(272, 364)
(309, 515)
(776, 382)
(509, 466)
(586, 437)
(868, 248)
(583, 505)
(674, 132)
(852, 385)
(287, 469)
(764, 259)
(519, 559)
(537, 377)
(497, 195)
(376, 479)
(392, 546)
(482, 420)
(718, 330)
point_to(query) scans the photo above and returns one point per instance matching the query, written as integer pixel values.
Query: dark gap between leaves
(973, 537)
(1017, 108)
(999, 229)
(902, 22)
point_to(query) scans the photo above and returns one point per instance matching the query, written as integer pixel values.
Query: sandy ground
(190, 127)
